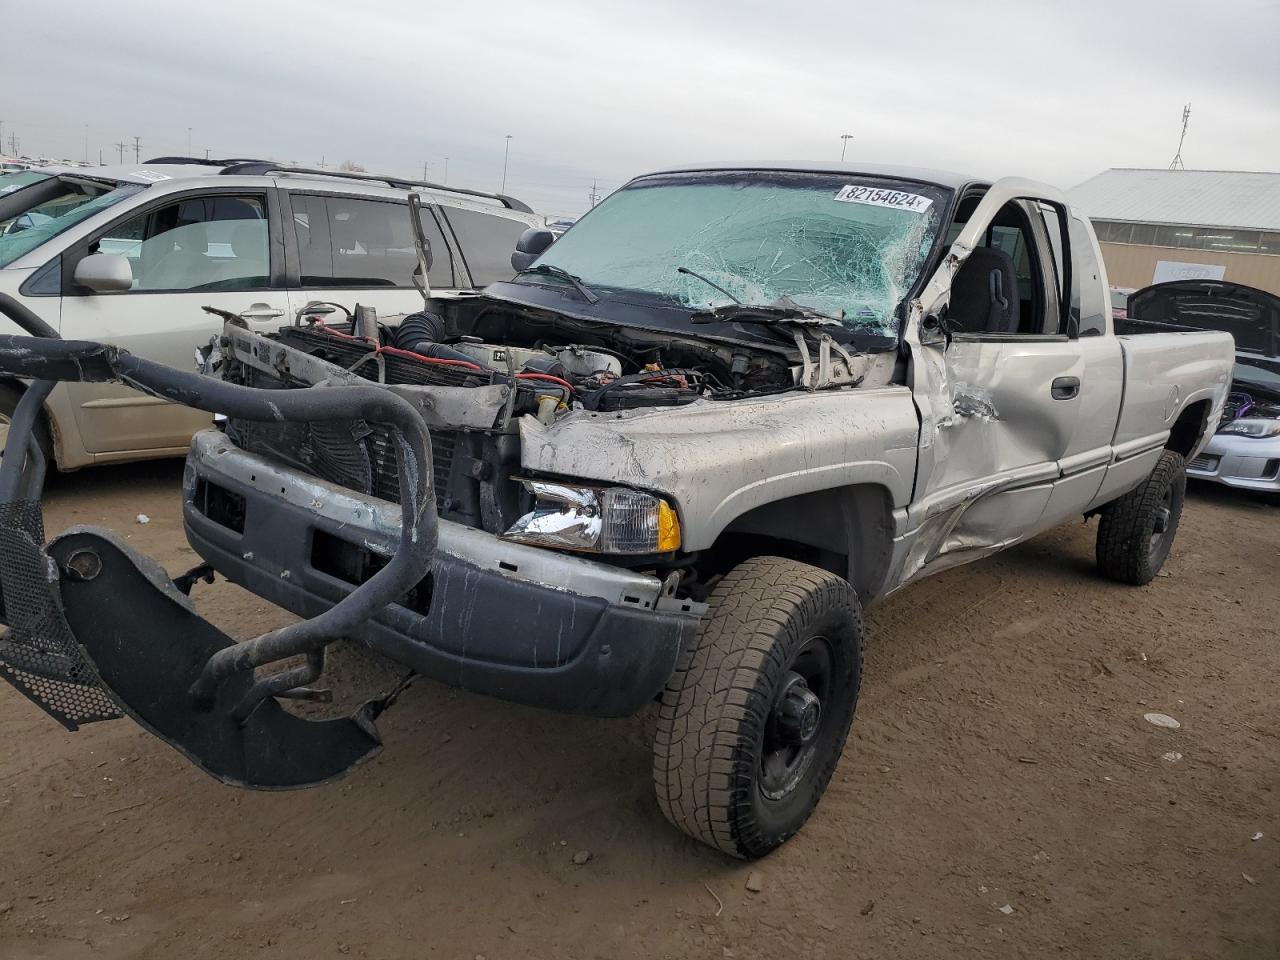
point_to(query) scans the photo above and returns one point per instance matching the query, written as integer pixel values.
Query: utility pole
(100, 163)
(593, 196)
(137, 149)
(446, 170)
(86, 144)
(424, 170)
(188, 141)
(844, 144)
(1, 134)
(1177, 163)
(505, 155)
(13, 144)
(206, 153)
(120, 146)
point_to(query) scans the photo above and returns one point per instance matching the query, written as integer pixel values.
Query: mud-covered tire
(1137, 530)
(9, 398)
(721, 767)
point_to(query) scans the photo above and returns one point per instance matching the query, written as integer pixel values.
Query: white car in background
(130, 255)
(1244, 452)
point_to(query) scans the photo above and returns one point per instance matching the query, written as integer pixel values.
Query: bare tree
(350, 166)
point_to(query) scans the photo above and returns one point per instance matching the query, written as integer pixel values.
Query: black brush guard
(96, 630)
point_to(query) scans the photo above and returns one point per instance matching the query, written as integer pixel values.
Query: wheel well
(1189, 428)
(846, 530)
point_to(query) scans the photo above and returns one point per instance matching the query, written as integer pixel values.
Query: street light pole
(506, 154)
(446, 170)
(844, 144)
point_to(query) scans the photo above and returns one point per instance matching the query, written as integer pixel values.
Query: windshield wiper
(551, 270)
(710, 283)
(783, 310)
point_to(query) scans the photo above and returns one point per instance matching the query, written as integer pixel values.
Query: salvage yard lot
(999, 758)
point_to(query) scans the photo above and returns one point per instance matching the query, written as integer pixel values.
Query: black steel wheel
(755, 718)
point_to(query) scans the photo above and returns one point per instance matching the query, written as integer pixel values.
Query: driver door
(1012, 405)
(209, 248)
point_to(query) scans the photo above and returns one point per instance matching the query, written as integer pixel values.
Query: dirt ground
(999, 759)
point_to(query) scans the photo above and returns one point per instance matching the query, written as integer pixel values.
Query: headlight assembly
(1256, 427)
(616, 520)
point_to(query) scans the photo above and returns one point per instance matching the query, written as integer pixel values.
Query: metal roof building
(1157, 225)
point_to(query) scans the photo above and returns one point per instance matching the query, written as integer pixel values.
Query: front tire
(756, 715)
(1137, 530)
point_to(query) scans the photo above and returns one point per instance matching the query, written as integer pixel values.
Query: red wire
(410, 355)
(546, 376)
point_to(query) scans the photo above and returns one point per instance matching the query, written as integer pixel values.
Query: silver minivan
(130, 255)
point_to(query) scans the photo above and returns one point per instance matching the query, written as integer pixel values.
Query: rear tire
(756, 715)
(9, 398)
(1137, 530)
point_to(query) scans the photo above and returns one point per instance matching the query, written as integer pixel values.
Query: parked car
(672, 459)
(1245, 451)
(130, 255)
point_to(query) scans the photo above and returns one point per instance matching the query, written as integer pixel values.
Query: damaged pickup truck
(671, 460)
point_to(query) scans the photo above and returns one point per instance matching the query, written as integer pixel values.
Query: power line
(1177, 163)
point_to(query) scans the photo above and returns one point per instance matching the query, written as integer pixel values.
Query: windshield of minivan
(19, 179)
(841, 245)
(51, 209)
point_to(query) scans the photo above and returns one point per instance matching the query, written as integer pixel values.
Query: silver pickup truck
(671, 460)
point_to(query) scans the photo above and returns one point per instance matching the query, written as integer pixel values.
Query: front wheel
(755, 718)
(1137, 530)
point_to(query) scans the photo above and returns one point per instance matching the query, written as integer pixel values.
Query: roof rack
(202, 161)
(239, 166)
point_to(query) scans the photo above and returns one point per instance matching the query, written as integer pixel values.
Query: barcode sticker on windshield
(880, 197)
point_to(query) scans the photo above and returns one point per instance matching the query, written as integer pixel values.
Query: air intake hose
(421, 333)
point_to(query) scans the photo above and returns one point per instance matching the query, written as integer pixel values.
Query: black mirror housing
(531, 245)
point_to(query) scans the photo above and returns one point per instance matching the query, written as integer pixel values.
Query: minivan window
(39, 211)
(347, 242)
(487, 242)
(216, 242)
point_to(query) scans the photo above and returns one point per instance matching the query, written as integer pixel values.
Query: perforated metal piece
(38, 653)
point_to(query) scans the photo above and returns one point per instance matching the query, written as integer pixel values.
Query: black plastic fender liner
(148, 647)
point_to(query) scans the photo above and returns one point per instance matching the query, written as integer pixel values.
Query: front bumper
(1247, 463)
(511, 621)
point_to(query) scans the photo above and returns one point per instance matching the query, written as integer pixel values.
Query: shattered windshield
(846, 246)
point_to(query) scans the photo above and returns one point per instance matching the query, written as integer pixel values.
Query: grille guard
(96, 630)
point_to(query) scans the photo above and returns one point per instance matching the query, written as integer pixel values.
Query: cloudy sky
(601, 91)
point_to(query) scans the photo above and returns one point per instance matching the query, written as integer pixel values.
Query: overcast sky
(595, 90)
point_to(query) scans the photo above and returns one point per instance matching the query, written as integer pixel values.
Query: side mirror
(105, 273)
(531, 245)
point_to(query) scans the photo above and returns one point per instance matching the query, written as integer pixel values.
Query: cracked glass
(847, 246)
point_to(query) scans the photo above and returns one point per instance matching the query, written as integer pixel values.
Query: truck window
(487, 242)
(215, 242)
(1088, 298)
(348, 242)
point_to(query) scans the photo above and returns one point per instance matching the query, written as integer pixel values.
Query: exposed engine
(531, 367)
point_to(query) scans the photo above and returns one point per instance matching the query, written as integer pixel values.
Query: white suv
(130, 255)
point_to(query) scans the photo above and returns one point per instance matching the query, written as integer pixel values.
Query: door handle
(261, 311)
(1065, 388)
